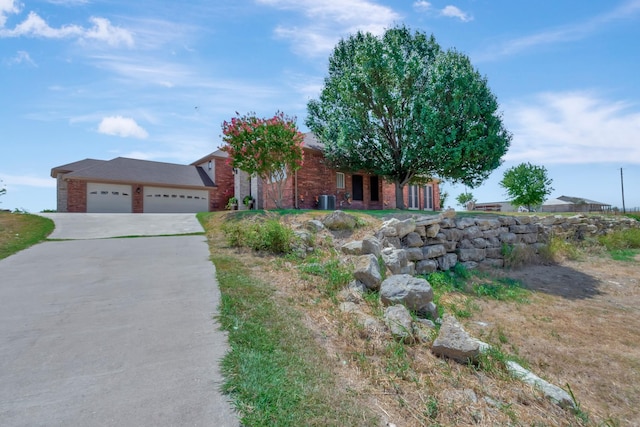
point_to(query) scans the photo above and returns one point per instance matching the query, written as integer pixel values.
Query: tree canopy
(269, 148)
(400, 107)
(527, 185)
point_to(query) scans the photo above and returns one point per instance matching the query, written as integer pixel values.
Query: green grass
(622, 245)
(472, 284)
(18, 231)
(336, 275)
(274, 371)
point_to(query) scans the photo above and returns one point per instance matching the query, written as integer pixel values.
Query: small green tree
(3, 190)
(269, 148)
(464, 199)
(527, 185)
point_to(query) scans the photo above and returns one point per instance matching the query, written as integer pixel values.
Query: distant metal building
(574, 204)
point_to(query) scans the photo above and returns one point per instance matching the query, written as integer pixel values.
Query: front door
(357, 187)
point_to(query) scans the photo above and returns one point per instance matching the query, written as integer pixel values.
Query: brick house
(140, 186)
(315, 183)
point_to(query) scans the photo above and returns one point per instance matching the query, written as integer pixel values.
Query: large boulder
(413, 240)
(398, 320)
(396, 228)
(447, 261)
(367, 271)
(394, 259)
(413, 292)
(371, 245)
(352, 248)
(455, 343)
(338, 220)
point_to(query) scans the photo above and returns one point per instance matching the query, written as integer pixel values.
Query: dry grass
(580, 328)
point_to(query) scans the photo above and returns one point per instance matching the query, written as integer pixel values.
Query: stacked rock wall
(423, 244)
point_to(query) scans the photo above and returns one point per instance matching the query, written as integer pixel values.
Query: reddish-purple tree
(268, 148)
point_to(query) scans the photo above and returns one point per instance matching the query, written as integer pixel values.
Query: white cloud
(422, 5)
(21, 57)
(454, 12)
(573, 127)
(34, 26)
(329, 20)
(7, 7)
(562, 34)
(102, 30)
(122, 126)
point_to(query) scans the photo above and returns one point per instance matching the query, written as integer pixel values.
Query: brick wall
(224, 182)
(76, 196)
(137, 198)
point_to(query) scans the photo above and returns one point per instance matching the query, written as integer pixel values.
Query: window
(340, 180)
(356, 183)
(374, 189)
(413, 197)
(428, 197)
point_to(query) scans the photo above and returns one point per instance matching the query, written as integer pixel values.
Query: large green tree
(526, 185)
(400, 107)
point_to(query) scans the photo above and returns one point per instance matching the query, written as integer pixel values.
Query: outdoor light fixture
(138, 190)
(210, 165)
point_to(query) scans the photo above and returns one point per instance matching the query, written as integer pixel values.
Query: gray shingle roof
(122, 169)
(311, 141)
(75, 166)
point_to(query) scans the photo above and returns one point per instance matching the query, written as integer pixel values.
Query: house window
(340, 180)
(356, 183)
(413, 197)
(428, 197)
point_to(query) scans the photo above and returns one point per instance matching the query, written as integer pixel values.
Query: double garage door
(167, 200)
(115, 198)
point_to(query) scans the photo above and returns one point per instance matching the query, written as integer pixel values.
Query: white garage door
(175, 200)
(108, 198)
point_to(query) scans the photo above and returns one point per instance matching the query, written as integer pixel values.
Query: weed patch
(260, 234)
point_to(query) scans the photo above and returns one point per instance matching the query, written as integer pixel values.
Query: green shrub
(260, 234)
(626, 239)
(558, 248)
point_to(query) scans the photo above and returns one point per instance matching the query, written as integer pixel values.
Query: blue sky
(155, 79)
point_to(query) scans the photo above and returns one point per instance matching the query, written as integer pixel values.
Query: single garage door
(175, 200)
(108, 198)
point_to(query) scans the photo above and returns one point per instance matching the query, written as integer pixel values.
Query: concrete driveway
(99, 226)
(112, 332)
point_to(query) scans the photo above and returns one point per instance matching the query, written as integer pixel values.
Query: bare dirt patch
(582, 328)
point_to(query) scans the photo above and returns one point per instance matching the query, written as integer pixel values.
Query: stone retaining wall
(423, 244)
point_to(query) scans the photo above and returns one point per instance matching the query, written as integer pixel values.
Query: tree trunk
(400, 196)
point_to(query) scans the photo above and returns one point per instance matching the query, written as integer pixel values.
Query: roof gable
(75, 166)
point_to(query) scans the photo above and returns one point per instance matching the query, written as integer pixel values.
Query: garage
(175, 200)
(108, 198)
